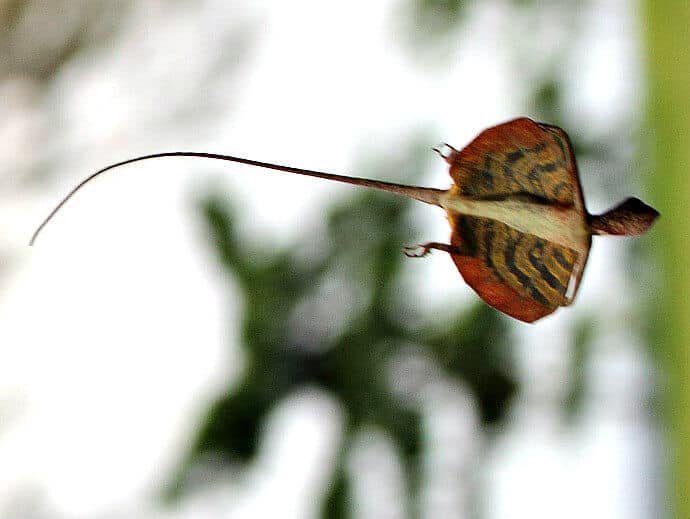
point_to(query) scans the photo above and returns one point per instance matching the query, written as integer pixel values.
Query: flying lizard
(520, 231)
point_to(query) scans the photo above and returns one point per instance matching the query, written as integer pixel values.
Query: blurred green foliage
(437, 15)
(582, 349)
(363, 242)
(66, 29)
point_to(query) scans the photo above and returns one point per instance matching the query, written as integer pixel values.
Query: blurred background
(191, 339)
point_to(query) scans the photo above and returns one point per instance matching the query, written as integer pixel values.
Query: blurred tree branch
(363, 242)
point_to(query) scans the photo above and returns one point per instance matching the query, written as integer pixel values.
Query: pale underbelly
(564, 226)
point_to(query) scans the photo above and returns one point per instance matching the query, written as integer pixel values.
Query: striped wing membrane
(519, 274)
(519, 157)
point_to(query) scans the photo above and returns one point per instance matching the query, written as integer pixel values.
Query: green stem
(668, 67)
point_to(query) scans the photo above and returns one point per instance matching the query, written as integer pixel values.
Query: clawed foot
(416, 251)
(419, 251)
(445, 151)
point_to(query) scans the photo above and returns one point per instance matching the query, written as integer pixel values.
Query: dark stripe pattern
(519, 157)
(525, 160)
(533, 267)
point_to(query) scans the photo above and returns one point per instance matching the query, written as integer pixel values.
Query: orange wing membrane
(517, 273)
(519, 157)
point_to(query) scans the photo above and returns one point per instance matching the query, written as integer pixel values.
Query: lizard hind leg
(421, 250)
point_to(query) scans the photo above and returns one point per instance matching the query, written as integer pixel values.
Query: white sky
(122, 303)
